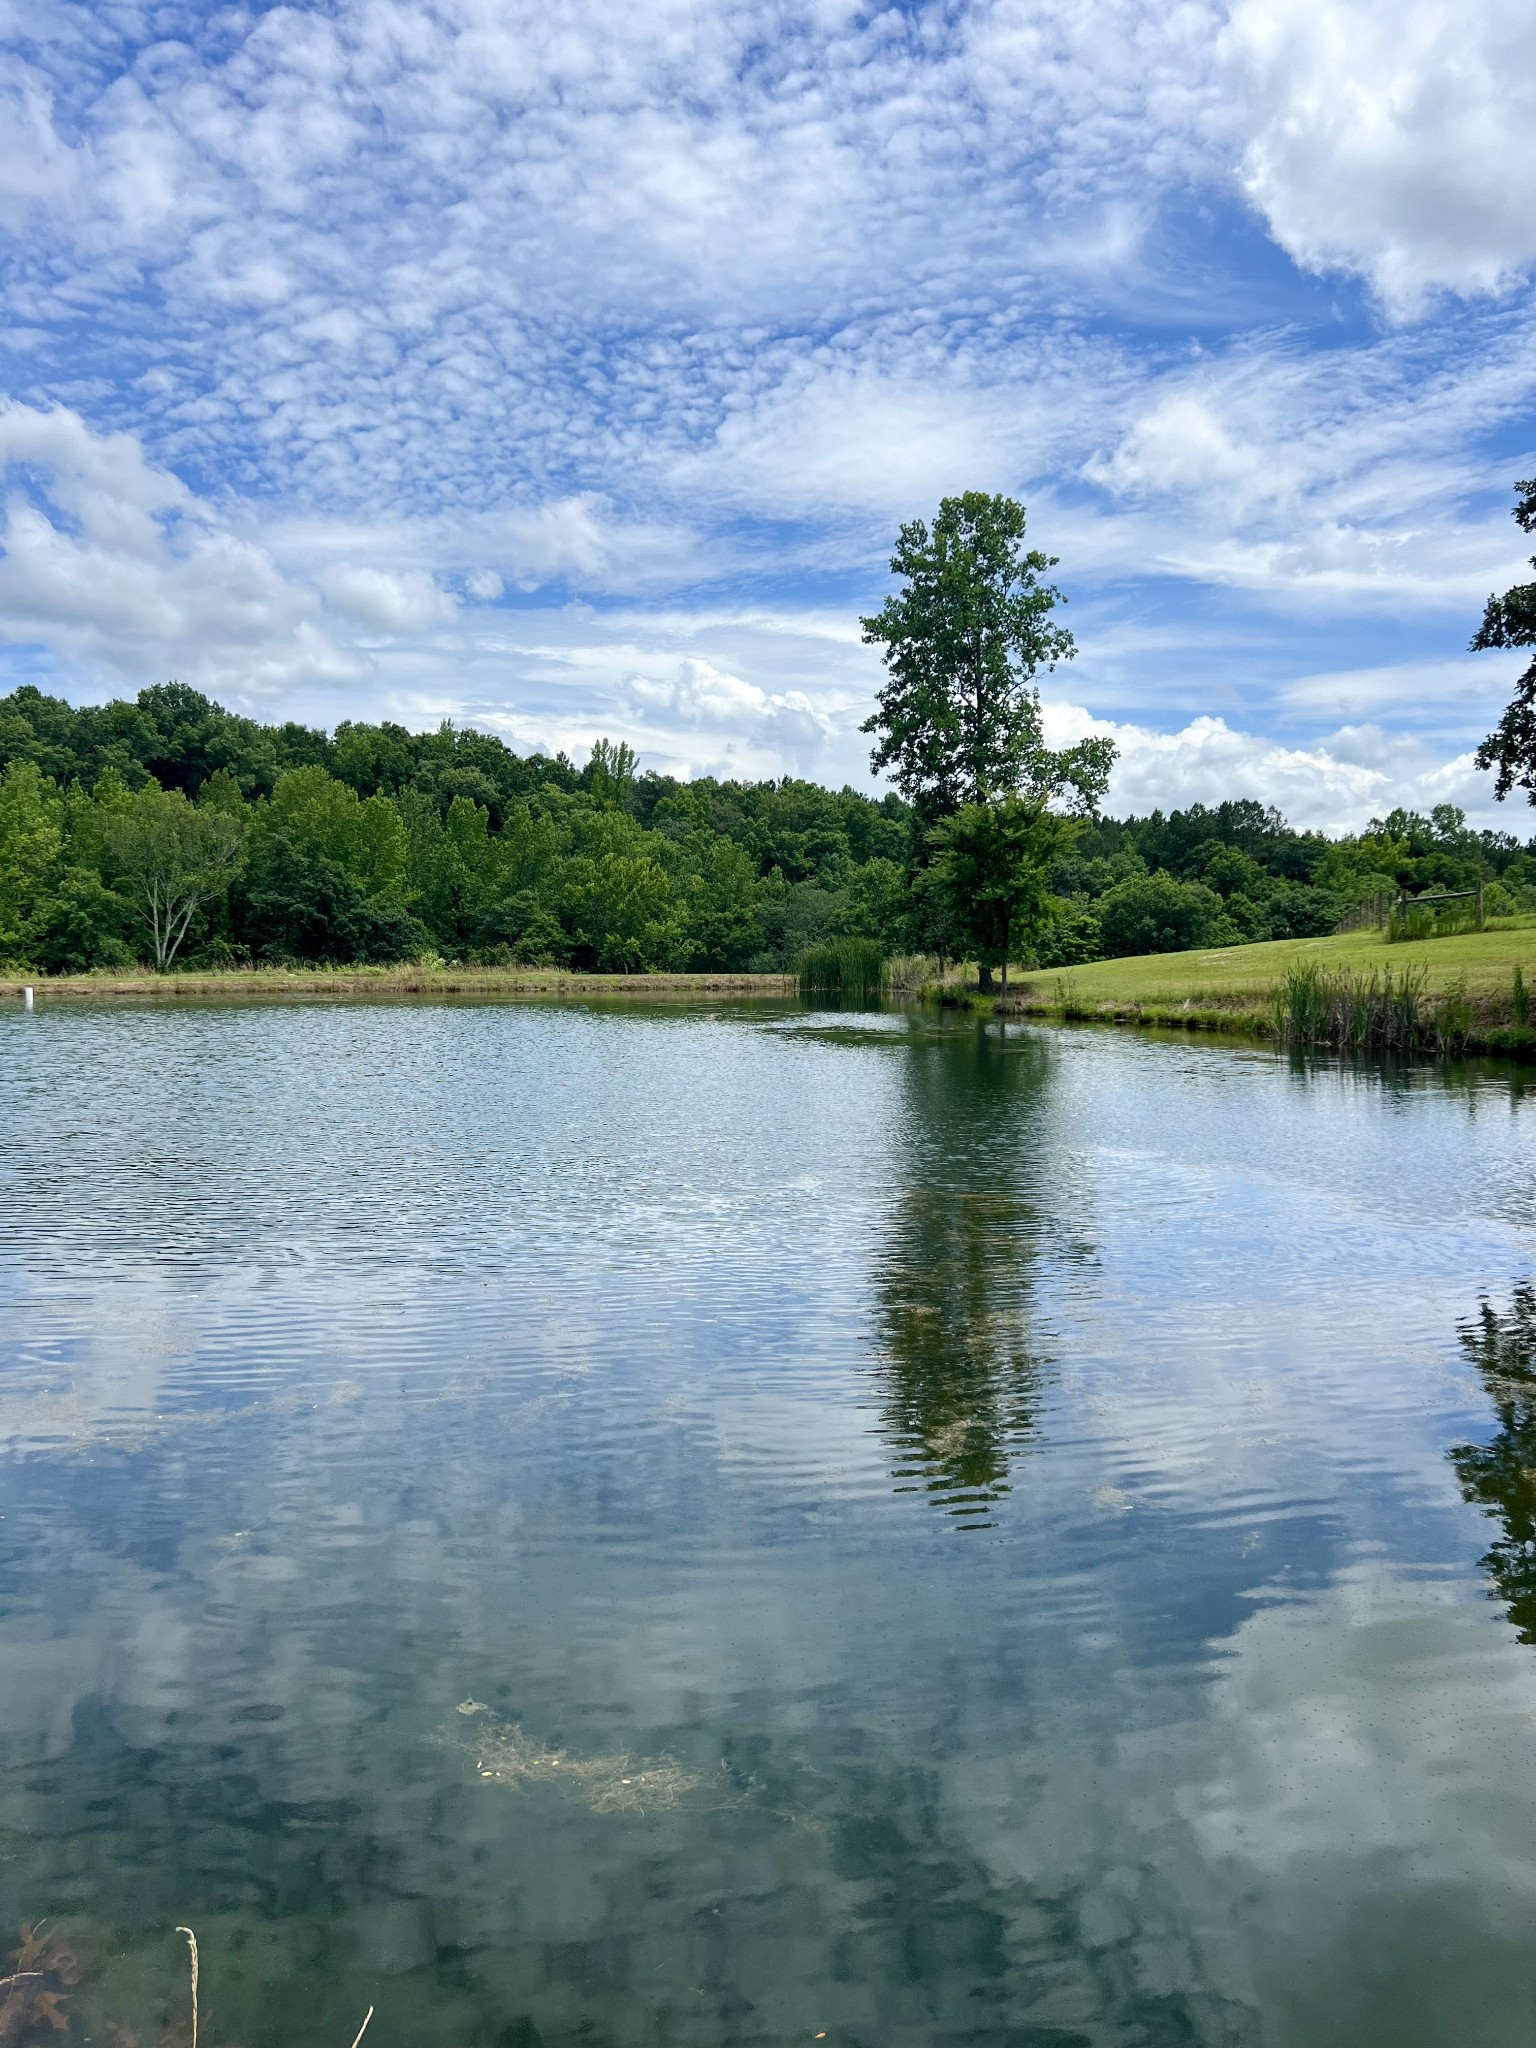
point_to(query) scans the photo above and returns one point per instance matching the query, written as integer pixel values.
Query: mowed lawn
(1487, 959)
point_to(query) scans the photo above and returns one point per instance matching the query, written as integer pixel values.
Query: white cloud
(114, 566)
(1392, 139)
(699, 695)
(1355, 773)
(406, 602)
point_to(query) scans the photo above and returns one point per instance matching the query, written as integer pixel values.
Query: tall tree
(176, 857)
(1510, 621)
(958, 720)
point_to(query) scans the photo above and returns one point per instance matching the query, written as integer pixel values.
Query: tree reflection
(952, 1283)
(1500, 1477)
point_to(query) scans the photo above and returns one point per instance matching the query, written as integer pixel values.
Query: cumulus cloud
(406, 602)
(701, 695)
(1392, 140)
(114, 566)
(1353, 774)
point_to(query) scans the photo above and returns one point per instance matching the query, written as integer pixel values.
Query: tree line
(172, 831)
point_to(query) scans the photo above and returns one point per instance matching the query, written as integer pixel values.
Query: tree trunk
(984, 977)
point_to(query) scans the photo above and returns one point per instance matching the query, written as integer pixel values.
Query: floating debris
(504, 1754)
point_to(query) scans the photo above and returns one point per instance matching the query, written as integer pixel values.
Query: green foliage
(609, 775)
(958, 717)
(31, 839)
(994, 864)
(1071, 935)
(397, 843)
(326, 819)
(843, 967)
(297, 903)
(174, 857)
(1510, 621)
(82, 924)
(1157, 914)
(1435, 919)
(1356, 1012)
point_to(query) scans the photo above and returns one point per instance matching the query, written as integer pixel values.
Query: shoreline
(143, 984)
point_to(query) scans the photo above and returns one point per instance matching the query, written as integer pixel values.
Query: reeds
(1370, 1012)
(843, 967)
(910, 974)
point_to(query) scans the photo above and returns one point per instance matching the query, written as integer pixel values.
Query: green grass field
(1238, 975)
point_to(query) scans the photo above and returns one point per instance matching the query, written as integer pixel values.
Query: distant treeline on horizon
(377, 844)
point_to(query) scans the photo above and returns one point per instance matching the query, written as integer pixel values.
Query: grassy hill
(1487, 959)
(1233, 989)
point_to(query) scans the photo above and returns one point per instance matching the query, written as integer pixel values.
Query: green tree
(958, 718)
(320, 815)
(31, 840)
(620, 911)
(610, 774)
(994, 863)
(296, 903)
(1157, 914)
(720, 895)
(1510, 621)
(175, 858)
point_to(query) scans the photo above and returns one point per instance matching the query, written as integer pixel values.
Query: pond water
(709, 1527)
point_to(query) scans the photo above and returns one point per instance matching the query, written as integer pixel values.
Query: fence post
(1479, 902)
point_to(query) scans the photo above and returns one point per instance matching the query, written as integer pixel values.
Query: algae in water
(505, 1754)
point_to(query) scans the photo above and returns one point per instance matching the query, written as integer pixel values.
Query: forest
(170, 831)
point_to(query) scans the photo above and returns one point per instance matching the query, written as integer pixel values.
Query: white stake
(26, 999)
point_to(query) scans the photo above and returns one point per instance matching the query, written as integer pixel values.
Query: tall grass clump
(843, 967)
(1522, 998)
(908, 974)
(1359, 1012)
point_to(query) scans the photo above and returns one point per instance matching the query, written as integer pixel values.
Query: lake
(626, 1526)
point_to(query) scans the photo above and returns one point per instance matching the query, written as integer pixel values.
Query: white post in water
(26, 999)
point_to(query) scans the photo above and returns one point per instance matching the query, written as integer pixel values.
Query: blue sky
(568, 369)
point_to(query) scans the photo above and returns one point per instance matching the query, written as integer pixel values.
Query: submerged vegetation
(35, 1991)
(504, 1754)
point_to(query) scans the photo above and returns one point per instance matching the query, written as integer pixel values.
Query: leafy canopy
(1510, 621)
(175, 856)
(958, 718)
(994, 865)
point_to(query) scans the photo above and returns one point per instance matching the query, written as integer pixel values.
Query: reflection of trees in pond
(952, 1282)
(1500, 1477)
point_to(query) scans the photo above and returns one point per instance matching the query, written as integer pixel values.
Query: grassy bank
(1236, 988)
(391, 981)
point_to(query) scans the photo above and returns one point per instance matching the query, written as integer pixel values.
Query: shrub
(1156, 914)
